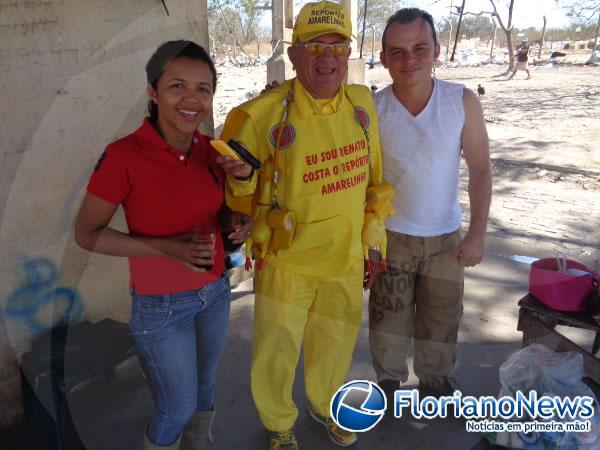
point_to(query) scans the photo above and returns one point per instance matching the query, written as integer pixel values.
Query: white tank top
(421, 159)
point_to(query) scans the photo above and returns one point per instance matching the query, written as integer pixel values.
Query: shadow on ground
(112, 413)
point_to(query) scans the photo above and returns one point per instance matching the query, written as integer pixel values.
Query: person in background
(166, 177)
(318, 143)
(426, 125)
(522, 58)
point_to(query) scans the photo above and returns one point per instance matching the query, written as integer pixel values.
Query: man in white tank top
(425, 126)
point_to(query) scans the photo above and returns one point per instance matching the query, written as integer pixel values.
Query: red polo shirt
(163, 192)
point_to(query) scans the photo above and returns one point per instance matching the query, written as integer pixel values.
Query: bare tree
(493, 39)
(235, 17)
(364, 25)
(377, 13)
(222, 23)
(461, 11)
(449, 36)
(471, 27)
(584, 11)
(542, 39)
(507, 31)
(507, 28)
(250, 11)
(596, 36)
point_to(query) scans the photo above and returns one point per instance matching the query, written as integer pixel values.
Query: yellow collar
(309, 105)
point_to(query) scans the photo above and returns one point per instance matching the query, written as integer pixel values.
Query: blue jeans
(181, 337)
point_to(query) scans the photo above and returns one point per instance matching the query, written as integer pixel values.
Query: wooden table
(537, 322)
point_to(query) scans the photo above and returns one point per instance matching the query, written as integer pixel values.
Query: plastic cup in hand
(207, 235)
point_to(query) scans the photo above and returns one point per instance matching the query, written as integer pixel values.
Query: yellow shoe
(284, 440)
(338, 435)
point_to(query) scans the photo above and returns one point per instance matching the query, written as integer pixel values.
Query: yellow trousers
(291, 308)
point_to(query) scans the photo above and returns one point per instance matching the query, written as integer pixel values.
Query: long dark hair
(166, 53)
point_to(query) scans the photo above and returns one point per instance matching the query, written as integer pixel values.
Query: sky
(526, 13)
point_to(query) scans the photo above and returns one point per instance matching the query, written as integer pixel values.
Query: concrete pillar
(208, 125)
(279, 67)
(352, 7)
(356, 65)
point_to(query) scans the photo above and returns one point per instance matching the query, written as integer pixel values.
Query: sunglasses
(318, 48)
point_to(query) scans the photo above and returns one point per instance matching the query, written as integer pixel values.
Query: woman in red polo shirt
(166, 177)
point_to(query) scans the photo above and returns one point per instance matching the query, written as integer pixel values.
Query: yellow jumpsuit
(312, 291)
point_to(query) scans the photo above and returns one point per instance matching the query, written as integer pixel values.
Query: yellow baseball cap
(318, 18)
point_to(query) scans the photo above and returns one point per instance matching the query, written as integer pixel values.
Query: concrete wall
(71, 80)
(279, 67)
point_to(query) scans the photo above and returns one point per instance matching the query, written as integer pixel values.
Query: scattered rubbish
(594, 59)
(542, 173)
(521, 259)
(372, 62)
(557, 55)
(539, 370)
(242, 60)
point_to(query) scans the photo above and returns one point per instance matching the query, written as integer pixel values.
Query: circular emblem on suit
(287, 136)
(361, 116)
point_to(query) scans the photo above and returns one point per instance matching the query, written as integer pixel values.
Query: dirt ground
(550, 119)
(544, 134)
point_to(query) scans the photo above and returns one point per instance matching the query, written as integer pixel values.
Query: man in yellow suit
(318, 143)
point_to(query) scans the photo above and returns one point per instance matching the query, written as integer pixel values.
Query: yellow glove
(378, 208)
(260, 238)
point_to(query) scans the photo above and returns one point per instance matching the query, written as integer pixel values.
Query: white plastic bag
(537, 368)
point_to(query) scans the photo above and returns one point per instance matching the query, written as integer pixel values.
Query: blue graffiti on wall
(39, 293)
